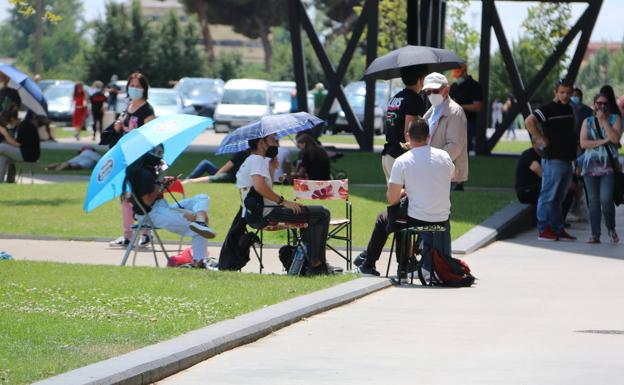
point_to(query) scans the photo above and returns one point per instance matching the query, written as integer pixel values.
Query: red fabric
(185, 257)
(80, 111)
(444, 270)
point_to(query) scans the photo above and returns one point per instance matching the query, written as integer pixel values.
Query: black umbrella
(389, 65)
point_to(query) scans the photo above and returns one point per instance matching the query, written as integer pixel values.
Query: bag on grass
(451, 271)
(184, 258)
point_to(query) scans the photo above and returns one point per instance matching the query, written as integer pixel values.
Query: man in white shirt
(423, 174)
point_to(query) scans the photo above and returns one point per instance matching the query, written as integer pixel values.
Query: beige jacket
(451, 135)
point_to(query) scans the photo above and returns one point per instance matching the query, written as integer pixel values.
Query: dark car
(202, 93)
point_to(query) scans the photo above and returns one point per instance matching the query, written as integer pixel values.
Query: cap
(435, 80)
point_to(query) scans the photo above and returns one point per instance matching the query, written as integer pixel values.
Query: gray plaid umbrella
(389, 65)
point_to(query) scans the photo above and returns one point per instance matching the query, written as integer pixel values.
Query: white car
(167, 101)
(282, 93)
(244, 101)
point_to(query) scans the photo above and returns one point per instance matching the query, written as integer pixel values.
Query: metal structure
(426, 25)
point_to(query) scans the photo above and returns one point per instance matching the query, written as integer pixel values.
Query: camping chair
(22, 167)
(146, 224)
(340, 228)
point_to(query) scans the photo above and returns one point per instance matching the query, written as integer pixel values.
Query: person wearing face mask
(404, 107)
(557, 144)
(138, 113)
(600, 136)
(188, 217)
(258, 171)
(468, 94)
(581, 111)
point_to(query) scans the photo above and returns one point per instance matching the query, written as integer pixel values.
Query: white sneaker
(119, 242)
(202, 229)
(145, 241)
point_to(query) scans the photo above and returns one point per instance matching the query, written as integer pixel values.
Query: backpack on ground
(451, 271)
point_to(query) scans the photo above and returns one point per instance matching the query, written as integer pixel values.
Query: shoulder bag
(618, 176)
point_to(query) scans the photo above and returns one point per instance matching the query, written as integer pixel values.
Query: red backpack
(451, 271)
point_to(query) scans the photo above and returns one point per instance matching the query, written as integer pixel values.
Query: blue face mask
(135, 93)
(575, 100)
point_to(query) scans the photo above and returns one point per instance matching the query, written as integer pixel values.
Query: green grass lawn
(56, 210)
(348, 139)
(511, 147)
(56, 317)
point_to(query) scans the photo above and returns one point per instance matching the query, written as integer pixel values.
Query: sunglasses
(430, 91)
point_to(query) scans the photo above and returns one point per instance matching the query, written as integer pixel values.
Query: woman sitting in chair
(314, 162)
(257, 171)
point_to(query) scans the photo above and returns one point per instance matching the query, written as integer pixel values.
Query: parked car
(122, 96)
(282, 92)
(244, 101)
(44, 84)
(203, 94)
(60, 97)
(167, 101)
(356, 95)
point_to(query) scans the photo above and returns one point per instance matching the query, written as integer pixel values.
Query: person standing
(556, 141)
(404, 107)
(138, 113)
(497, 113)
(80, 109)
(581, 111)
(98, 101)
(113, 91)
(468, 94)
(600, 136)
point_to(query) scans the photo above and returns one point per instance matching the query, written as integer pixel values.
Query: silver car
(356, 95)
(167, 101)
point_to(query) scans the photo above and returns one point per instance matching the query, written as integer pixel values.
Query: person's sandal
(593, 240)
(614, 237)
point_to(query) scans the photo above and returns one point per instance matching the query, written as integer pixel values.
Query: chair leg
(130, 246)
(390, 256)
(261, 249)
(154, 248)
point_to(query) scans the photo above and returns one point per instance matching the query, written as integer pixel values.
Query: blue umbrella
(281, 125)
(29, 92)
(175, 132)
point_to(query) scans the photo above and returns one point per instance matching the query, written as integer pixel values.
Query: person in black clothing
(468, 94)
(113, 91)
(405, 106)
(97, 100)
(557, 143)
(528, 176)
(314, 162)
(581, 111)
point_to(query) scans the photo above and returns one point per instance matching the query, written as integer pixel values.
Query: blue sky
(608, 28)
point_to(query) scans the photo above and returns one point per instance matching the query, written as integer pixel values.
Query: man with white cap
(447, 124)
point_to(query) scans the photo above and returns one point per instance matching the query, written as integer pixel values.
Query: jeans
(204, 167)
(315, 236)
(555, 182)
(600, 202)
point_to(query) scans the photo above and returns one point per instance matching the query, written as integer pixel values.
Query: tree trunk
(38, 34)
(266, 43)
(202, 14)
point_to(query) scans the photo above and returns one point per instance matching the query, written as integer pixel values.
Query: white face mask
(435, 99)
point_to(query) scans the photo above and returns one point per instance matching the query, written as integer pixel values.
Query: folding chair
(339, 228)
(292, 237)
(21, 167)
(146, 224)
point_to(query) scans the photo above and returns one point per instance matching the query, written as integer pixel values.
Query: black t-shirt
(238, 159)
(28, 137)
(405, 102)
(317, 166)
(137, 118)
(97, 101)
(557, 122)
(142, 182)
(467, 92)
(524, 176)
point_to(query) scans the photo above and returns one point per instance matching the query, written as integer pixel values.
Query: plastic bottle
(298, 259)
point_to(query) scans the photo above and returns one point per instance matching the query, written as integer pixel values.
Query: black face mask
(271, 152)
(151, 160)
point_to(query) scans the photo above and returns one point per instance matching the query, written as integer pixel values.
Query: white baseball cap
(435, 80)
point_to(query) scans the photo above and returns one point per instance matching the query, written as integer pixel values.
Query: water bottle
(298, 259)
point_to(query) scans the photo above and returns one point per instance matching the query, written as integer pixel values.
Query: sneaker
(564, 236)
(614, 237)
(593, 240)
(202, 229)
(547, 235)
(365, 270)
(145, 240)
(331, 269)
(119, 242)
(359, 260)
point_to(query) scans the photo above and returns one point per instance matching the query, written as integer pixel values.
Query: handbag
(618, 176)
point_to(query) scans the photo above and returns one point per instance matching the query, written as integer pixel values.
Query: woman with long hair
(138, 113)
(600, 136)
(79, 103)
(314, 163)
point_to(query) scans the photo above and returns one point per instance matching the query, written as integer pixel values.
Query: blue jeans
(555, 182)
(204, 167)
(600, 202)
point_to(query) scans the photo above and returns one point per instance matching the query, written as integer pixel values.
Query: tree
(460, 37)
(202, 9)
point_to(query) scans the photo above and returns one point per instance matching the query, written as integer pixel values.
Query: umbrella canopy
(389, 65)
(29, 92)
(175, 132)
(281, 125)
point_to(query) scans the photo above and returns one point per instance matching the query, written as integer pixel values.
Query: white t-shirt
(425, 172)
(254, 165)
(283, 155)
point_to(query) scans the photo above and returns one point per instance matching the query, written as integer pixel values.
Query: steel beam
(365, 139)
(484, 76)
(301, 78)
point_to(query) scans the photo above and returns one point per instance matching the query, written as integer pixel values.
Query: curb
(155, 362)
(509, 220)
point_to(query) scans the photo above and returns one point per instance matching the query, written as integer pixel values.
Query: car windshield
(195, 88)
(252, 97)
(281, 94)
(59, 91)
(356, 93)
(163, 98)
